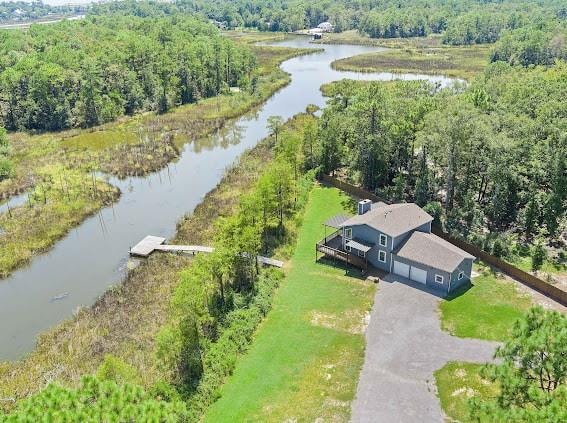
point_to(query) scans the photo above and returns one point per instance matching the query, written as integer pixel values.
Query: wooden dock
(154, 243)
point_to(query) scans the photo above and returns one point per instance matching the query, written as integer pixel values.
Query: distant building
(325, 26)
(219, 24)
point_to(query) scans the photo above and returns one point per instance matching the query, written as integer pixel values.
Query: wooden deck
(330, 247)
(153, 243)
(146, 246)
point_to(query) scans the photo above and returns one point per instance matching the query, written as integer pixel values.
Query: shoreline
(274, 80)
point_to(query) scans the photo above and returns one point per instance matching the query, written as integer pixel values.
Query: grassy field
(305, 360)
(457, 383)
(487, 310)
(120, 148)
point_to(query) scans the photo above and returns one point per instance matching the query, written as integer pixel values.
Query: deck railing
(341, 255)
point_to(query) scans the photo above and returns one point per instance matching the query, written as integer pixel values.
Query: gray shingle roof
(393, 219)
(432, 251)
(335, 221)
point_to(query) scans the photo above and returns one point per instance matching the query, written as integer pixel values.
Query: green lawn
(305, 360)
(487, 310)
(458, 382)
(525, 263)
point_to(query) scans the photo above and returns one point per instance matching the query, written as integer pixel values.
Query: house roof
(392, 219)
(378, 204)
(335, 221)
(429, 249)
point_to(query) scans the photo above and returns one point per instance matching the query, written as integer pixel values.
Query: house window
(439, 278)
(347, 247)
(361, 253)
(461, 275)
(382, 256)
(348, 233)
(383, 240)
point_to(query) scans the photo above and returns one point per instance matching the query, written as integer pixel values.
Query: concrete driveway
(404, 346)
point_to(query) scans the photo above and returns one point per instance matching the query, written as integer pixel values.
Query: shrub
(96, 401)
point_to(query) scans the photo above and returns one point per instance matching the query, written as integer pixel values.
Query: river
(93, 256)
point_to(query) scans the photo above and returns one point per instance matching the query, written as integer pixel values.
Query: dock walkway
(154, 243)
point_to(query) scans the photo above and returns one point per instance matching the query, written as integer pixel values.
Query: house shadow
(350, 271)
(391, 278)
(461, 290)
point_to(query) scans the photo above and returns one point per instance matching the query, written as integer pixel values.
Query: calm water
(94, 255)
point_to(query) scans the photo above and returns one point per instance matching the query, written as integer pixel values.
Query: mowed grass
(457, 383)
(487, 310)
(305, 360)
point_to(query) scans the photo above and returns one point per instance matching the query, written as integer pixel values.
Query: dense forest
(529, 33)
(461, 22)
(494, 155)
(84, 73)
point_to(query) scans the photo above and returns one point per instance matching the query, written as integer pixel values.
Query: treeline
(461, 21)
(223, 296)
(6, 166)
(532, 46)
(84, 73)
(490, 161)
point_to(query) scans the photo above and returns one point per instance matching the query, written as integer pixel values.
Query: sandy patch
(351, 321)
(460, 373)
(468, 392)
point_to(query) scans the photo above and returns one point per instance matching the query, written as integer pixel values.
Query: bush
(435, 209)
(96, 401)
(219, 360)
(116, 370)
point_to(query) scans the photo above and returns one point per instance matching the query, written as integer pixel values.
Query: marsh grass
(123, 322)
(60, 199)
(129, 147)
(461, 62)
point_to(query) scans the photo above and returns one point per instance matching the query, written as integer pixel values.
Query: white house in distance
(325, 26)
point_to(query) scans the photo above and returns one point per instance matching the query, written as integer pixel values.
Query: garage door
(418, 275)
(401, 269)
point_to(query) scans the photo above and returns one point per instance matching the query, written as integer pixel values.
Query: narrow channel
(94, 256)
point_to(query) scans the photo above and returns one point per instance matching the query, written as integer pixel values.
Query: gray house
(397, 239)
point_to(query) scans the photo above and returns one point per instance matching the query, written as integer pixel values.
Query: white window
(347, 247)
(439, 278)
(382, 256)
(383, 240)
(348, 233)
(461, 275)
